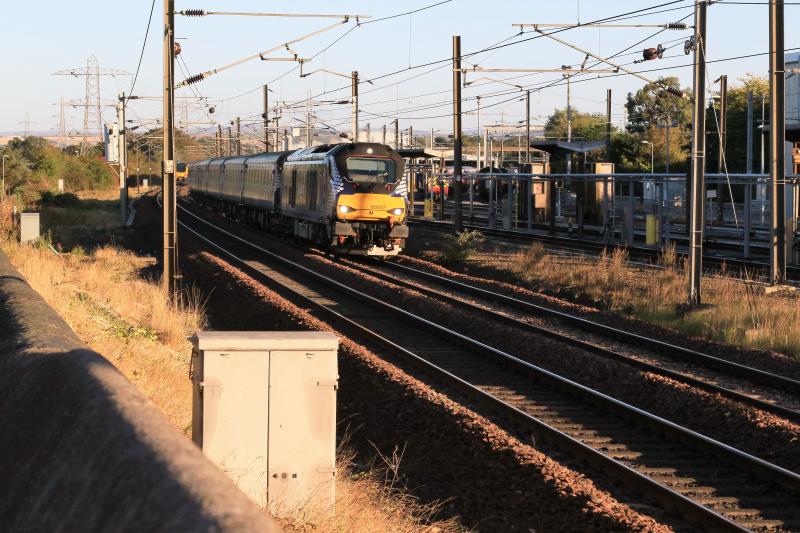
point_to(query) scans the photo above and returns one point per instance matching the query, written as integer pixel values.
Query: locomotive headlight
(344, 209)
(397, 211)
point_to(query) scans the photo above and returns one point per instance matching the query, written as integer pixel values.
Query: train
(181, 171)
(348, 198)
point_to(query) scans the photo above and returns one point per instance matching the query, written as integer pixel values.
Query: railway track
(707, 372)
(650, 255)
(708, 482)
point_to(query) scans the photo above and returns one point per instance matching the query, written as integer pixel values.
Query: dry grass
(96, 209)
(118, 314)
(603, 279)
(7, 229)
(103, 299)
(368, 499)
(95, 214)
(738, 312)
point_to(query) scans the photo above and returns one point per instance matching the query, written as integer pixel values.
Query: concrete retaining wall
(81, 449)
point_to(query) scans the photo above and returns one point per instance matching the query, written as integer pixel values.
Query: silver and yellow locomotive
(349, 198)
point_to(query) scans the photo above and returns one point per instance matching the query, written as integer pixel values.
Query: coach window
(293, 191)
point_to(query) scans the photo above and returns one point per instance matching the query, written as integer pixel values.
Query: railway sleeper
(717, 491)
(604, 443)
(537, 410)
(738, 514)
(588, 434)
(557, 419)
(623, 455)
(676, 480)
(761, 524)
(714, 501)
(666, 470)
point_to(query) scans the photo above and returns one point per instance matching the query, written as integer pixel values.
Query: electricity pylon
(92, 111)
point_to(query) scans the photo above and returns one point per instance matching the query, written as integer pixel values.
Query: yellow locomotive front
(371, 201)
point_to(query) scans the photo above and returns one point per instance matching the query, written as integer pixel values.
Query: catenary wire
(144, 44)
(637, 12)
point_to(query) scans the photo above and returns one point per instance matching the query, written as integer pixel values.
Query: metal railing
(737, 210)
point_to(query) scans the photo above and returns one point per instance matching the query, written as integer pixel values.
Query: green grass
(457, 249)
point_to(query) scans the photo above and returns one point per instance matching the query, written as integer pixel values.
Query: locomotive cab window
(369, 171)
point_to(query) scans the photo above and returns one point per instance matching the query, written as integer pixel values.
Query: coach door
(242, 176)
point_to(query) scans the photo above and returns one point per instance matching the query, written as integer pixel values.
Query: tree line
(33, 166)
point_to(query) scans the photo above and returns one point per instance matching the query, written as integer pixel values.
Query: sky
(65, 34)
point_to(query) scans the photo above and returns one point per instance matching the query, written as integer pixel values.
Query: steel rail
(739, 458)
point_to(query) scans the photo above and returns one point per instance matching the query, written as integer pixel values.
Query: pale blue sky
(39, 38)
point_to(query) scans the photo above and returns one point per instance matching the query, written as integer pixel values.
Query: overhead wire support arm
(493, 80)
(667, 26)
(204, 13)
(595, 56)
(354, 82)
(537, 70)
(562, 70)
(300, 60)
(671, 90)
(332, 72)
(261, 55)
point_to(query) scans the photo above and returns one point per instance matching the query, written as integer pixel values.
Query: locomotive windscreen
(368, 171)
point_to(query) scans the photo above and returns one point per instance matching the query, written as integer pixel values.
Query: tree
(736, 144)
(34, 165)
(585, 126)
(653, 105)
(187, 148)
(41, 156)
(629, 155)
(17, 169)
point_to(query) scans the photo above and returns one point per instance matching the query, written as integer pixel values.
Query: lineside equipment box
(264, 410)
(28, 227)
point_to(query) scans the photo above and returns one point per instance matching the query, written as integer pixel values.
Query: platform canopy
(564, 147)
(415, 153)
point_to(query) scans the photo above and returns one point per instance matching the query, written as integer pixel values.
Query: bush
(47, 198)
(34, 165)
(535, 253)
(66, 199)
(458, 248)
